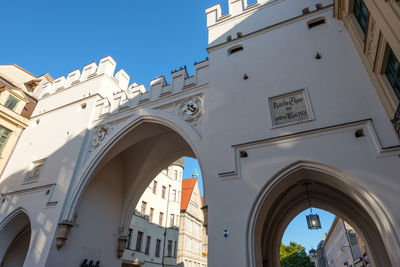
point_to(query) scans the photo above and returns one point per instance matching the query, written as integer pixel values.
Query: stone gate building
(293, 91)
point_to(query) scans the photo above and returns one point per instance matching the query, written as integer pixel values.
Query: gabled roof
(187, 189)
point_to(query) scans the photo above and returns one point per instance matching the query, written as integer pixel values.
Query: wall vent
(315, 22)
(235, 49)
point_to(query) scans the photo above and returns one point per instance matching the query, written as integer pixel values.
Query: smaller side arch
(273, 205)
(15, 238)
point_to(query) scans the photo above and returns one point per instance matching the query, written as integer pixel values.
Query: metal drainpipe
(348, 241)
(165, 228)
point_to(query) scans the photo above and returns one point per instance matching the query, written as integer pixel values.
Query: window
(188, 244)
(143, 210)
(163, 192)
(35, 172)
(158, 244)
(175, 175)
(11, 102)
(155, 187)
(160, 220)
(171, 220)
(361, 13)
(128, 241)
(196, 247)
(180, 176)
(173, 195)
(175, 248)
(188, 225)
(139, 241)
(147, 248)
(196, 229)
(169, 251)
(151, 215)
(393, 72)
(4, 135)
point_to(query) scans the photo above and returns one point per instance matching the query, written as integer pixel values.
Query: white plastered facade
(240, 151)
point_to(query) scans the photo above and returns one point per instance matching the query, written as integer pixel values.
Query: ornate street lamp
(313, 221)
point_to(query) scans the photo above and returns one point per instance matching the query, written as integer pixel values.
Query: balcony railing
(396, 120)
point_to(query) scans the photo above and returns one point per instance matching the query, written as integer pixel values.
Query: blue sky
(146, 38)
(298, 232)
(192, 166)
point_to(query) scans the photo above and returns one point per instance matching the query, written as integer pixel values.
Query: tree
(294, 255)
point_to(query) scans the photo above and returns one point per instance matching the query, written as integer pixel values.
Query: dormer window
(11, 102)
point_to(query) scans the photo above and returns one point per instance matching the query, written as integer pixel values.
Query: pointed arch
(15, 238)
(281, 199)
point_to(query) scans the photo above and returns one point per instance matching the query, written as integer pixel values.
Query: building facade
(342, 246)
(17, 102)
(153, 232)
(284, 98)
(193, 240)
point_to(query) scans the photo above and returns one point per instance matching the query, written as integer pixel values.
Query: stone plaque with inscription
(289, 108)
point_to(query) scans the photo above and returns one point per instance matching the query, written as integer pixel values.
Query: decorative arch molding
(370, 203)
(13, 226)
(12, 215)
(83, 176)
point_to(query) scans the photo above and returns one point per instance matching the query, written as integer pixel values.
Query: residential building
(342, 246)
(17, 102)
(318, 255)
(153, 231)
(374, 26)
(193, 239)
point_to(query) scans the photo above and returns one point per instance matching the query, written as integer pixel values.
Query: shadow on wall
(105, 203)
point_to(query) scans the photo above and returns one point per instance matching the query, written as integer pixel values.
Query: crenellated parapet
(243, 19)
(115, 93)
(136, 95)
(106, 66)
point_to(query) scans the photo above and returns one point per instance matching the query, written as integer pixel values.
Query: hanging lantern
(313, 221)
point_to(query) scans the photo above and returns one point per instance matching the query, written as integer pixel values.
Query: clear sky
(192, 166)
(298, 232)
(146, 38)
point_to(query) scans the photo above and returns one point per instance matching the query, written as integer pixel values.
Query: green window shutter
(4, 135)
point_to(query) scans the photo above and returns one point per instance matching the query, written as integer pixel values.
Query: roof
(187, 189)
(179, 162)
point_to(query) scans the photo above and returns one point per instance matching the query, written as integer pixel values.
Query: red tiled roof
(187, 189)
(202, 201)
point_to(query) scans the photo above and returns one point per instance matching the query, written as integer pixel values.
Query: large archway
(284, 197)
(107, 203)
(15, 237)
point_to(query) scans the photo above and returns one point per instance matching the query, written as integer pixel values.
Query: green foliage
(294, 255)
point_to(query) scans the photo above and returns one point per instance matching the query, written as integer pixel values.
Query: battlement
(137, 95)
(244, 19)
(106, 66)
(236, 7)
(116, 93)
